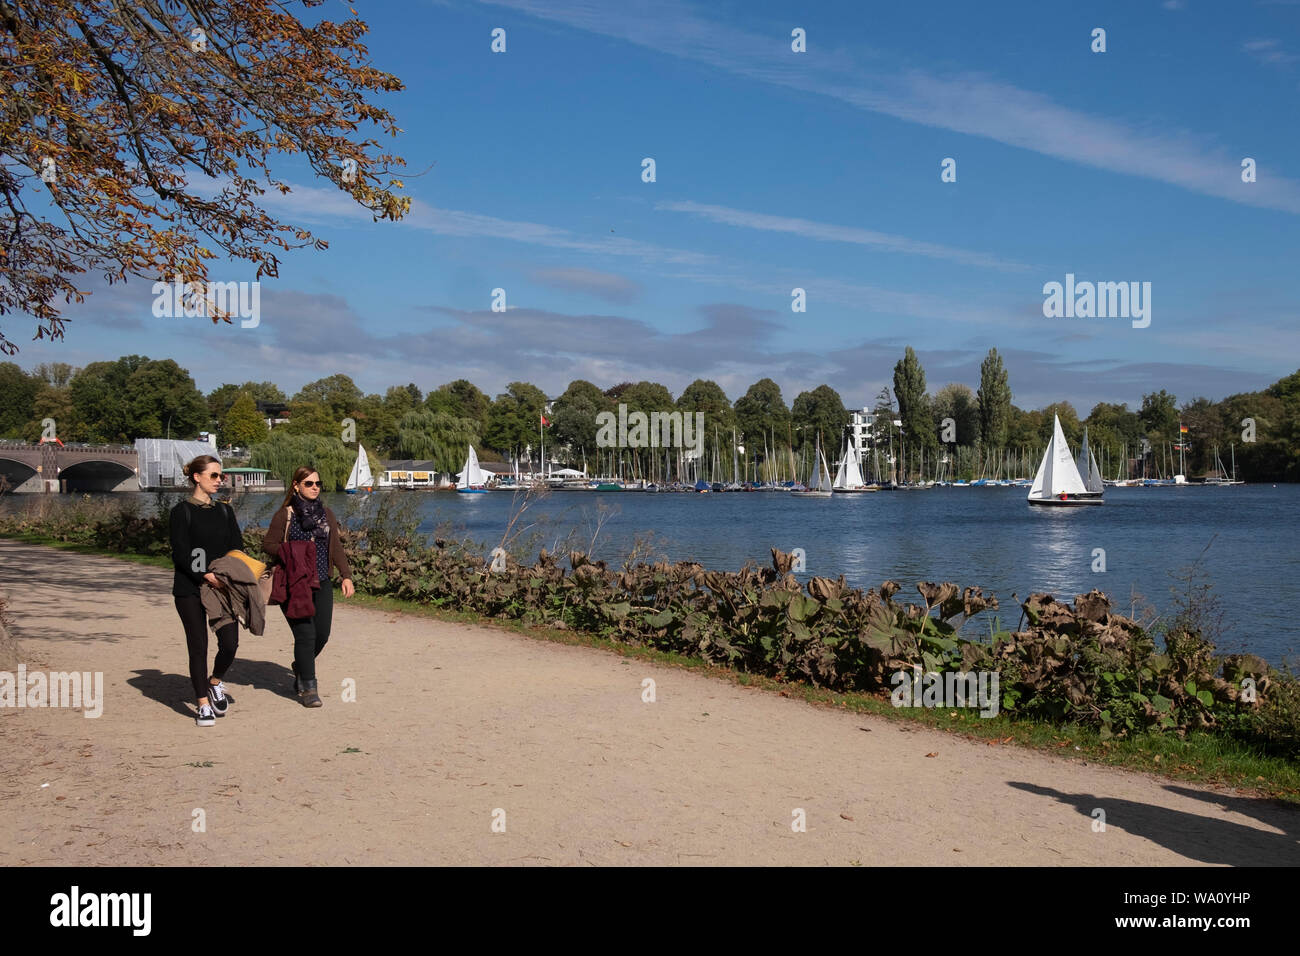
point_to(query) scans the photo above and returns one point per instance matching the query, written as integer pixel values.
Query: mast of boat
(1233, 449)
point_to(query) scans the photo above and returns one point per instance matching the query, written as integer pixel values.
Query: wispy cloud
(326, 204)
(1268, 51)
(829, 232)
(318, 204)
(971, 103)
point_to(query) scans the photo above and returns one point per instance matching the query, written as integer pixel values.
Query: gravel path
(455, 726)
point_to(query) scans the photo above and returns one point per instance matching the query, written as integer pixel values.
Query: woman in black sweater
(203, 530)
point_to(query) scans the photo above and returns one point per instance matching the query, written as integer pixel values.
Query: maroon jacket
(294, 590)
(275, 534)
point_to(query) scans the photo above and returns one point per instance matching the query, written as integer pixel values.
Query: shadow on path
(1196, 837)
(174, 691)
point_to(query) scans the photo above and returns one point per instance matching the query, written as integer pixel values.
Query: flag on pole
(545, 420)
(1182, 429)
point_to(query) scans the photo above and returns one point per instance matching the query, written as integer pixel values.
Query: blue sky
(775, 170)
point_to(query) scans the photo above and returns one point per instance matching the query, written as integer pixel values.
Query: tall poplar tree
(994, 397)
(913, 408)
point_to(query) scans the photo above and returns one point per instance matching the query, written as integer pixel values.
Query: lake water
(988, 537)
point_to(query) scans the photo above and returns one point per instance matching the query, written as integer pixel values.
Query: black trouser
(310, 634)
(190, 608)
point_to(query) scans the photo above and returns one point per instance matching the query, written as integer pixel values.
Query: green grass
(153, 560)
(1199, 758)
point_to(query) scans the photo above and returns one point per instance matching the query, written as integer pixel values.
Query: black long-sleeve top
(213, 528)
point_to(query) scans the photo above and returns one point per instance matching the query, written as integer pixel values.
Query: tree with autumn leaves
(136, 140)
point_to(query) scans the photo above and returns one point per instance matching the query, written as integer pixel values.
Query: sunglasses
(217, 477)
(310, 484)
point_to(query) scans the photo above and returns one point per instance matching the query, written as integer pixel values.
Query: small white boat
(1058, 481)
(472, 479)
(359, 478)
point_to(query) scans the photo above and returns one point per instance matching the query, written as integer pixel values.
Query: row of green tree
(976, 432)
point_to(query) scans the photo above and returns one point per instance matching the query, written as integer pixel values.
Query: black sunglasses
(310, 484)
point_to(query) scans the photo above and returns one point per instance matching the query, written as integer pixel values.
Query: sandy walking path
(452, 723)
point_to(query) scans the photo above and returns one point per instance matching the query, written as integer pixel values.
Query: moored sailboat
(820, 485)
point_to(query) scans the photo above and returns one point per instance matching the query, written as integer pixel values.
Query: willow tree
(135, 140)
(283, 453)
(437, 437)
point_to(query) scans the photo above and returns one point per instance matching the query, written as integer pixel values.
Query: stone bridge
(54, 468)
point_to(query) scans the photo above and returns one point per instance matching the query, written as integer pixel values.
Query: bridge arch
(14, 471)
(97, 474)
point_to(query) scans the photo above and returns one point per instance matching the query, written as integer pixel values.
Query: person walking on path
(203, 530)
(304, 517)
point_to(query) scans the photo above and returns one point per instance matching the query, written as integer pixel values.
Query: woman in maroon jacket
(308, 519)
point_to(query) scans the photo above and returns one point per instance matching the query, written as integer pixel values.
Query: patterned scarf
(311, 517)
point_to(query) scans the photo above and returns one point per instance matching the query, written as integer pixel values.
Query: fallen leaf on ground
(935, 754)
(845, 816)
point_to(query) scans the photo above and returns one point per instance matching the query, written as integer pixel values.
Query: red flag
(544, 421)
(1182, 429)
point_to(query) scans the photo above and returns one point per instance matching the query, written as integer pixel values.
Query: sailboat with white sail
(472, 479)
(820, 486)
(848, 479)
(1089, 471)
(1058, 481)
(360, 478)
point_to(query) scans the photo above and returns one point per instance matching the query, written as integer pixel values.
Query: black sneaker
(218, 699)
(205, 718)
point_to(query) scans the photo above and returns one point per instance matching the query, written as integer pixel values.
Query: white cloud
(829, 232)
(1269, 52)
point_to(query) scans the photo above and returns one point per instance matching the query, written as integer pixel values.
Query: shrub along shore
(1070, 674)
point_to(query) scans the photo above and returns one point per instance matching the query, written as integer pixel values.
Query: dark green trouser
(310, 634)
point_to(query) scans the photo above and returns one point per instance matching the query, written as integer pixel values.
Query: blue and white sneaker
(218, 699)
(206, 718)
